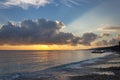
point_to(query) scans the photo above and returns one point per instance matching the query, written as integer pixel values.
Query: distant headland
(115, 48)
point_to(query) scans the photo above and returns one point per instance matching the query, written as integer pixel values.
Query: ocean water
(12, 62)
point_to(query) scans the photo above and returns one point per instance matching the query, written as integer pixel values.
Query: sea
(15, 63)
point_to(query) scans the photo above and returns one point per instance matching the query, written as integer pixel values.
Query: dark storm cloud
(41, 31)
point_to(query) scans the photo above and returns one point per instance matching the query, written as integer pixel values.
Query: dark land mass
(109, 48)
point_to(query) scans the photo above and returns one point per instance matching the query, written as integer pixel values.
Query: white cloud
(71, 3)
(25, 3)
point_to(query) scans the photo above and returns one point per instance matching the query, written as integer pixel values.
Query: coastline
(104, 67)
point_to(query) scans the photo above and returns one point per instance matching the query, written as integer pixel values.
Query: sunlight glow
(42, 47)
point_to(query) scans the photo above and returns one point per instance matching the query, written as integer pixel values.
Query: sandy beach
(104, 68)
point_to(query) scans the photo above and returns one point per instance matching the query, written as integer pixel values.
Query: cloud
(87, 38)
(101, 43)
(44, 31)
(41, 31)
(115, 40)
(110, 28)
(24, 3)
(104, 34)
(117, 37)
(71, 3)
(111, 42)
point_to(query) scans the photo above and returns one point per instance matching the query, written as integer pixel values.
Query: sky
(58, 24)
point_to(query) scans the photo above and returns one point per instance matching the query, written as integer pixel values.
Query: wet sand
(106, 68)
